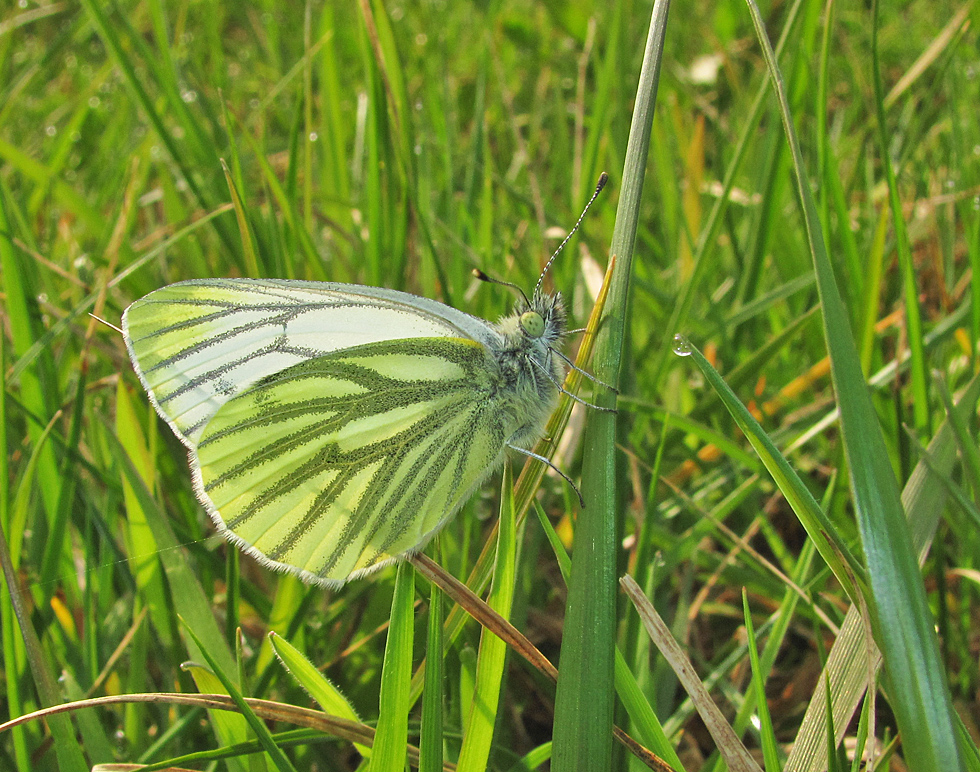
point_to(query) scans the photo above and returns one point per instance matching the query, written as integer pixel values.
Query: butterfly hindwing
(332, 467)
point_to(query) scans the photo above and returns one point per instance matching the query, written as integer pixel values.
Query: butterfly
(332, 428)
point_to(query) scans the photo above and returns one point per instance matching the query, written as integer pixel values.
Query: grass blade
(759, 683)
(731, 749)
(904, 626)
(388, 754)
(492, 654)
(850, 661)
(584, 700)
(431, 733)
(261, 731)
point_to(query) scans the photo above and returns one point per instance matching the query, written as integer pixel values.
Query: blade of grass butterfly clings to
(333, 428)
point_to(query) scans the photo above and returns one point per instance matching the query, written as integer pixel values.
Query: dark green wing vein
(448, 472)
(340, 463)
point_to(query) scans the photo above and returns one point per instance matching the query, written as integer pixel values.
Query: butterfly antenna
(110, 325)
(603, 179)
(490, 280)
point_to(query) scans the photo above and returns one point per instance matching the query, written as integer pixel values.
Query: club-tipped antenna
(603, 179)
(490, 280)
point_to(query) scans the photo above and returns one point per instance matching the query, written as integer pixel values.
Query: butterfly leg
(562, 389)
(543, 460)
(586, 373)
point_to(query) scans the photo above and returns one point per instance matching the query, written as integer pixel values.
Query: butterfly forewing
(198, 344)
(334, 466)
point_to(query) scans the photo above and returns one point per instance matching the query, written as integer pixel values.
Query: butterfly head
(542, 318)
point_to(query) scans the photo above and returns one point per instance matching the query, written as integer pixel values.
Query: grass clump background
(803, 245)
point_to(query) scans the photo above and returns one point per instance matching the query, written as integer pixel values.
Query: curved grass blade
(903, 623)
(261, 731)
(848, 666)
(268, 710)
(318, 686)
(821, 530)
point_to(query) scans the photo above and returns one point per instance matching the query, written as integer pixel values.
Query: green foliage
(403, 145)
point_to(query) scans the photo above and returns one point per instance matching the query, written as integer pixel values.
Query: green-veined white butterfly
(332, 428)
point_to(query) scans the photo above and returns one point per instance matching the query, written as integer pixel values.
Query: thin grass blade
(492, 655)
(388, 754)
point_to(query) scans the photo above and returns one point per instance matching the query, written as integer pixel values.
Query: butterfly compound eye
(532, 324)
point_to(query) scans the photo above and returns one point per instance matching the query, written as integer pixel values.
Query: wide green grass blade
(143, 547)
(850, 661)
(327, 696)
(647, 725)
(189, 599)
(585, 697)
(904, 626)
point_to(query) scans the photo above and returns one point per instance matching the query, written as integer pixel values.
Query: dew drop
(682, 346)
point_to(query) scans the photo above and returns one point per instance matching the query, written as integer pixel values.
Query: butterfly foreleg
(557, 384)
(586, 373)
